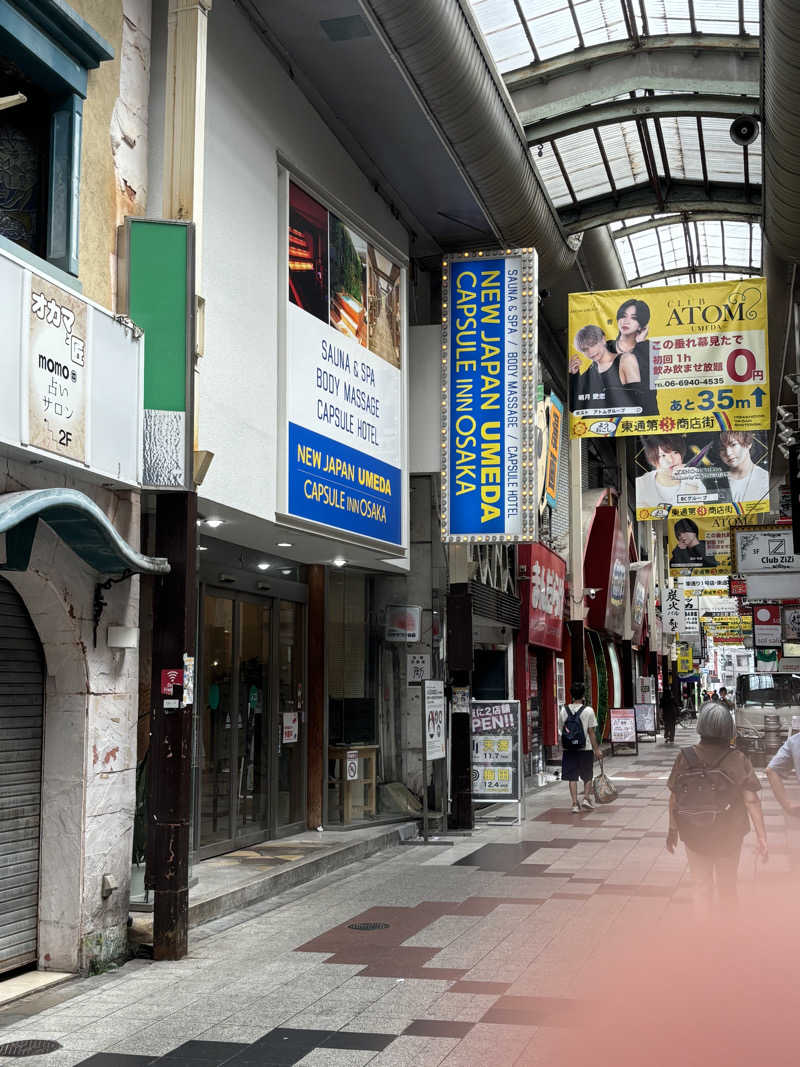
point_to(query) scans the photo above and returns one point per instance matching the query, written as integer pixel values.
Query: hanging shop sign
(646, 689)
(765, 550)
(496, 751)
(737, 586)
(542, 420)
(556, 417)
(678, 359)
(402, 623)
(543, 594)
(791, 624)
(725, 473)
(489, 315)
(690, 615)
(58, 370)
(767, 626)
(344, 447)
(71, 378)
(641, 591)
(685, 661)
(671, 610)
(418, 667)
(699, 545)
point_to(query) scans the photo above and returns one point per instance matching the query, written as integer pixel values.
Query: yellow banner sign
(699, 545)
(677, 359)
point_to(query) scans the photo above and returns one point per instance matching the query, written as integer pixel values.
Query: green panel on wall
(159, 259)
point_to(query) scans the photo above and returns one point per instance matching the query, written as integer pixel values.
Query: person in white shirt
(747, 480)
(579, 763)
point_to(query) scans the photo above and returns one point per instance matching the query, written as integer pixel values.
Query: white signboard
(671, 610)
(646, 690)
(758, 551)
(418, 667)
(290, 728)
(58, 370)
(489, 310)
(791, 624)
(434, 720)
(345, 362)
(690, 616)
(645, 718)
(623, 725)
(705, 585)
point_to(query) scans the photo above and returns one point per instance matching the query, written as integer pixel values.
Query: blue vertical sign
(477, 396)
(489, 333)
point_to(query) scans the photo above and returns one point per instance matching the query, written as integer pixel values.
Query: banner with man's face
(669, 360)
(699, 545)
(723, 473)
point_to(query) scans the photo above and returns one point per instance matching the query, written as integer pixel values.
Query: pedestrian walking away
(669, 714)
(578, 724)
(713, 801)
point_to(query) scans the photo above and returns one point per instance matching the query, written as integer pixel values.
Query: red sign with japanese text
(544, 597)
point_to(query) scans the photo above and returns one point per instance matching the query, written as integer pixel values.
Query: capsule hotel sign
(488, 397)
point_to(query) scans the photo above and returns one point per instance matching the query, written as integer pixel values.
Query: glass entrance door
(251, 731)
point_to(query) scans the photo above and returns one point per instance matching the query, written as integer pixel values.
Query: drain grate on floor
(19, 1049)
(368, 926)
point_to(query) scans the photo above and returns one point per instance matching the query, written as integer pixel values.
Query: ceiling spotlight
(202, 548)
(214, 523)
(784, 451)
(288, 570)
(263, 566)
(200, 522)
(284, 544)
(793, 382)
(786, 413)
(340, 561)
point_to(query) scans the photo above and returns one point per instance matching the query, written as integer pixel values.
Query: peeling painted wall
(114, 146)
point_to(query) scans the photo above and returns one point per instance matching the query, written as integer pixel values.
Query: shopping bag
(604, 789)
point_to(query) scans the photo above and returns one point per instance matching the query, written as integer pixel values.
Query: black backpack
(706, 799)
(573, 737)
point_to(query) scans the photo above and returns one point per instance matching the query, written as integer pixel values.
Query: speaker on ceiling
(744, 130)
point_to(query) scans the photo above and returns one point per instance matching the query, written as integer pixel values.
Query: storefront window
(351, 690)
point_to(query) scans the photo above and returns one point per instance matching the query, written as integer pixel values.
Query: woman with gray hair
(713, 800)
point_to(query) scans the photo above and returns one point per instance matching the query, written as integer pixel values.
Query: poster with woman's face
(680, 359)
(714, 474)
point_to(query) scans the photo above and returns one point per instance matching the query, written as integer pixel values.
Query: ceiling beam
(697, 268)
(707, 63)
(723, 198)
(699, 105)
(676, 220)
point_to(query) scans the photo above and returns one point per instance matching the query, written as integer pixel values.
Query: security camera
(744, 130)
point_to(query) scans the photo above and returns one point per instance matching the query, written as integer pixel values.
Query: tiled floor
(492, 949)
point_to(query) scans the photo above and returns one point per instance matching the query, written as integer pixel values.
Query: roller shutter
(21, 721)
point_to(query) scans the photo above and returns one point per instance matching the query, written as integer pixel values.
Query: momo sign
(671, 360)
(489, 395)
(345, 366)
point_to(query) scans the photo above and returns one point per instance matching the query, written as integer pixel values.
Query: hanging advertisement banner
(556, 415)
(542, 422)
(685, 662)
(722, 473)
(489, 314)
(690, 615)
(671, 610)
(677, 359)
(767, 625)
(402, 623)
(700, 545)
(344, 443)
